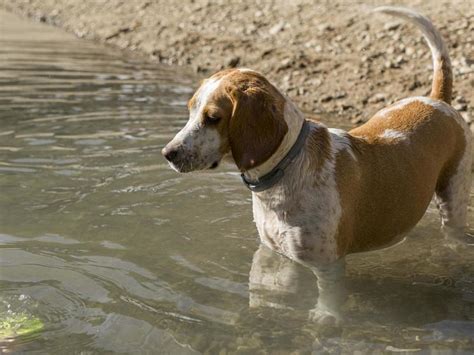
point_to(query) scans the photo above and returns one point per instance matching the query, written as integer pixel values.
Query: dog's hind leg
(452, 198)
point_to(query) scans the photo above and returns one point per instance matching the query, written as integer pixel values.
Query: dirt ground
(328, 56)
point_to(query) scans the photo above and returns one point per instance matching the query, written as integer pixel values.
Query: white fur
(340, 141)
(200, 143)
(393, 134)
(196, 112)
(297, 215)
(317, 216)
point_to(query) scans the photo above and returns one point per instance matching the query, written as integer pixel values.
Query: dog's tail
(442, 85)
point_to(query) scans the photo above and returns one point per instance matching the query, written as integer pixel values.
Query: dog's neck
(294, 120)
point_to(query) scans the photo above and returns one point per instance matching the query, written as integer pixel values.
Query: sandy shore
(329, 56)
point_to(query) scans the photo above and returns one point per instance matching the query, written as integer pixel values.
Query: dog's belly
(392, 196)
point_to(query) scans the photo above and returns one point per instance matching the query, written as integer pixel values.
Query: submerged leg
(277, 282)
(332, 292)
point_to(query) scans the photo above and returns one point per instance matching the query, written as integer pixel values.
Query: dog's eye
(210, 119)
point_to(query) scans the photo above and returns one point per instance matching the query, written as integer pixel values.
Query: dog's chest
(302, 227)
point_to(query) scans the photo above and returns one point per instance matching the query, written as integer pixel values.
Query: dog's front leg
(277, 282)
(332, 292)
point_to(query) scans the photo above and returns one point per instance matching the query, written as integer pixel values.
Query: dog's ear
(257, 125)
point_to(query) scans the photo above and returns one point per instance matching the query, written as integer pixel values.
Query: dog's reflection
(276, 281)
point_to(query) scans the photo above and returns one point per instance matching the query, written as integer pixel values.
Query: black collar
(275, 175)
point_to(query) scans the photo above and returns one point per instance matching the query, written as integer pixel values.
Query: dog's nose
(169, 153)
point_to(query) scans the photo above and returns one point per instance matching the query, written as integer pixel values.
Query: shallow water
(111, 251)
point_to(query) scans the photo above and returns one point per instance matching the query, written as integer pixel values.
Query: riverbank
(329, 57)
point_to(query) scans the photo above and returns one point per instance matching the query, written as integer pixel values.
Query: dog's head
(235, 111)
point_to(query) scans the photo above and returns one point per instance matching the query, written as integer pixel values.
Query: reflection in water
(105, 249)
(276, 281)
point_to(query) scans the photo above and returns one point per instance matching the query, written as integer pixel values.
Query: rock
(357, 120)
(391, 26)
(325, 98)
(414, 85)
(460, 107)
(467, 118)
(390, 64)
(409, 51)
(339, 95)
(284, 64)
(325, 27)
(233, 62)
(399, 60)
(380, 97)
(266, 52)
(251, 29)
(200, 69)
(277, 28)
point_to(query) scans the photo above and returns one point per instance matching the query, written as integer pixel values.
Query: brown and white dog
(333, 192)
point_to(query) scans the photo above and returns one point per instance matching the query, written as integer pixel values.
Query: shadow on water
(104, 248)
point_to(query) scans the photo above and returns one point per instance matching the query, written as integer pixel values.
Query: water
(104, 249)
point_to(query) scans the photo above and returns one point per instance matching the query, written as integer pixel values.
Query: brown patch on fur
(394, 181)
(442, 86)
(404, 119)
(257, 125)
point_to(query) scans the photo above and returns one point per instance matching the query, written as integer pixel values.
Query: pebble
(325, 27)
(233, 62)
(377, 98)
(460, 107)
(409, 51)
(414, 85)
(388, 64)
(467, 118)
(284, 64)
(277, 28)
(357, 120)
(326, 98)
(391, 26)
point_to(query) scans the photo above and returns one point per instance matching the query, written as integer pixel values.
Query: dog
(320, 194)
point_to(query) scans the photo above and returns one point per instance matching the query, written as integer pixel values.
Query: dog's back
(406, 152)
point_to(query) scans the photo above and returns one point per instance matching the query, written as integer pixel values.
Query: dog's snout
(170, 153)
